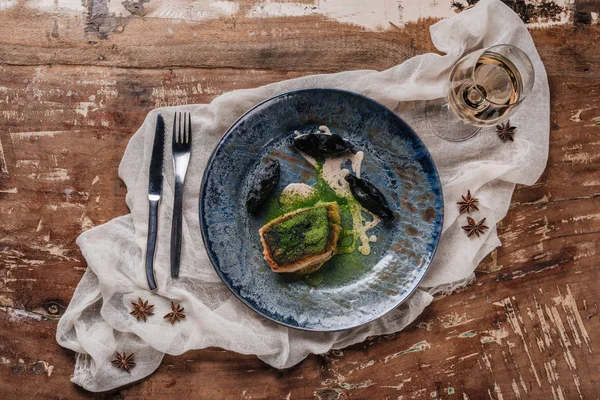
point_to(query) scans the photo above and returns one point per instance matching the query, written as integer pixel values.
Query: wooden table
(78, 77)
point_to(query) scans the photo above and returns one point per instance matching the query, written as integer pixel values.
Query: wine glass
(484, 88)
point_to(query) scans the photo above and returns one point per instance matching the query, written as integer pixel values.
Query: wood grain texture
(73, 89)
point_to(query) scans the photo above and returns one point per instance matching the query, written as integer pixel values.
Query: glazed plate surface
(354, 289)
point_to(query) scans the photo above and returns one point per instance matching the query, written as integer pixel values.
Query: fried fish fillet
(302, 240)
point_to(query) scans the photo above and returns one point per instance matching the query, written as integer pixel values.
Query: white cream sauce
(334, 174)
(325, 130)
(361, 226)
(295, 190)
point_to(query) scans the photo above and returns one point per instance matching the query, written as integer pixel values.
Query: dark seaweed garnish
(263, 184)
(370, 197)
(321, 144)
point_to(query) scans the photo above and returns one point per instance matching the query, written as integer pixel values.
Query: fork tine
(183, 129)
(189, 127)
(174, 138)
(179, 131)
(182, 122)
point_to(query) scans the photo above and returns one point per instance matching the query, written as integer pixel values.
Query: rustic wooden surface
(75, 85)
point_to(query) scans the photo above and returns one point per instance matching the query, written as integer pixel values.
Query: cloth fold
(97, 322)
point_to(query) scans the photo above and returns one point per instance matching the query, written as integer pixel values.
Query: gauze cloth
(97, 321)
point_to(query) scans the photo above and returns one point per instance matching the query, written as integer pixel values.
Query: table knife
(155, 184)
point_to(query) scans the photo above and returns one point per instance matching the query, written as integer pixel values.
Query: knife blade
(155, 184)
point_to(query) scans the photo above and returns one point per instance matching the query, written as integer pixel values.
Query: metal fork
(182, 146)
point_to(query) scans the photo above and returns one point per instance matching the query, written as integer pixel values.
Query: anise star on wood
(467, 203)
(142, 310)
(506, 132)
(474, 228)
(124, 361)
(176, 314)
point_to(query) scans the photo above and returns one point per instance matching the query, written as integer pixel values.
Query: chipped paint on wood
(84, 106)
(420, 346)
(42, 367)
(38, 134)
(495, 335)
(58, 174)
(551, 373)
(548, 321)
(513, 321)
(574, 319)
(3, 167)
(104, 17)
(86, 223)
(487, 362)
(468, 356)
(498, 392)
(57, 251)
(15, 314)
(577, 385)
(425, 325)
(181, 10)
(359, 385)
(454, 319)
(546, 340)
(516, 390)
(377, 14)
(558, 393)
(564, 341)
(361, 366)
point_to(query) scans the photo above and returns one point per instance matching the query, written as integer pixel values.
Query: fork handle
(176, 229)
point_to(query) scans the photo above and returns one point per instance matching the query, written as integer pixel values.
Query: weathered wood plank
(575, 121)
(302, 43)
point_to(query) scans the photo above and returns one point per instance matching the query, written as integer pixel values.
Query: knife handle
(151, 247)
(176, 229)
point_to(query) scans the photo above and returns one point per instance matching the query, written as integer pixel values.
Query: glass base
(445, 123)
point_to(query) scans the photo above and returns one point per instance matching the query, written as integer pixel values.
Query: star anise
(467, 203)
(474, 228)
(506, 132)
(177, 314)
(124, 361)
(141, 309)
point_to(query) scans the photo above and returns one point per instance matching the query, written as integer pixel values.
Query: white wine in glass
(484, 88)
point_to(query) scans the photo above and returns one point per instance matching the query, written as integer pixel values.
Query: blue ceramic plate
(354, 289)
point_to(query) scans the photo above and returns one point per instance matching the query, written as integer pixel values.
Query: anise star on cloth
(176, 314)
(506, 132)
(124, 361)
(467, 203)
(474, 228)
(142, 310)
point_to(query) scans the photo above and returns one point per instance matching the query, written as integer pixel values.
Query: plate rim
(203, 225)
